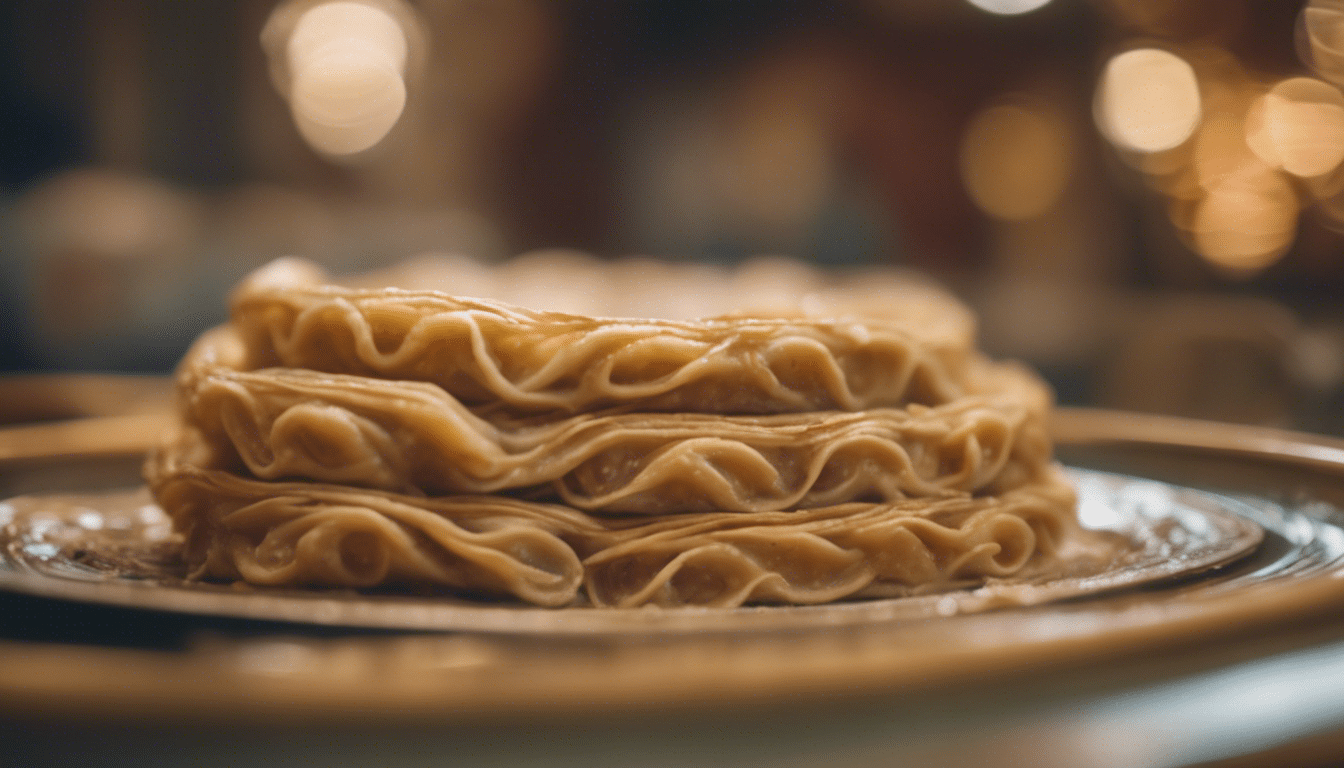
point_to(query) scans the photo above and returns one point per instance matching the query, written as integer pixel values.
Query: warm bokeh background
(1144, 198)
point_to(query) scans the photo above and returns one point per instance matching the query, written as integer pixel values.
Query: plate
(1181, 485)
(119, 549)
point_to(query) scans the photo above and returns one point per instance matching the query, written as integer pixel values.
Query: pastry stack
(830, 438)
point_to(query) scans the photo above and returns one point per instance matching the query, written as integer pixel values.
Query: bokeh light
(1246, 222)
(1016, 160)
(1008, 7)
(346, 67)
(1220, 152)
(1219, 147)
(1298, 126)
(1148, 100)
(1243, 213)
(1320, 38)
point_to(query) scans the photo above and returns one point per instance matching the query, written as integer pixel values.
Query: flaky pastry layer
(415, 438)
(484, 351)
(314, 534)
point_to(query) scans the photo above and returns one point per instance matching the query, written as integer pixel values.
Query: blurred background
(1143, 198)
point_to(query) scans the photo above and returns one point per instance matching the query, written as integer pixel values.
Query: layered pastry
(822, 438)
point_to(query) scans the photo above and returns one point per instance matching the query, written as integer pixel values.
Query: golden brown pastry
(371, 437)
(482, 351)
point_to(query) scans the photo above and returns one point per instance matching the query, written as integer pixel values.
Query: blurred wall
(1142, 197)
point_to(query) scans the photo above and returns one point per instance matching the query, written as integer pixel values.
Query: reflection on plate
(118, 549)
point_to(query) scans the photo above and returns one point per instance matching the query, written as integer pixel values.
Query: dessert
(821, 440)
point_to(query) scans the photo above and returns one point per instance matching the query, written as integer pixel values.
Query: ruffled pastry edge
(485, 351)
(306, 534)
